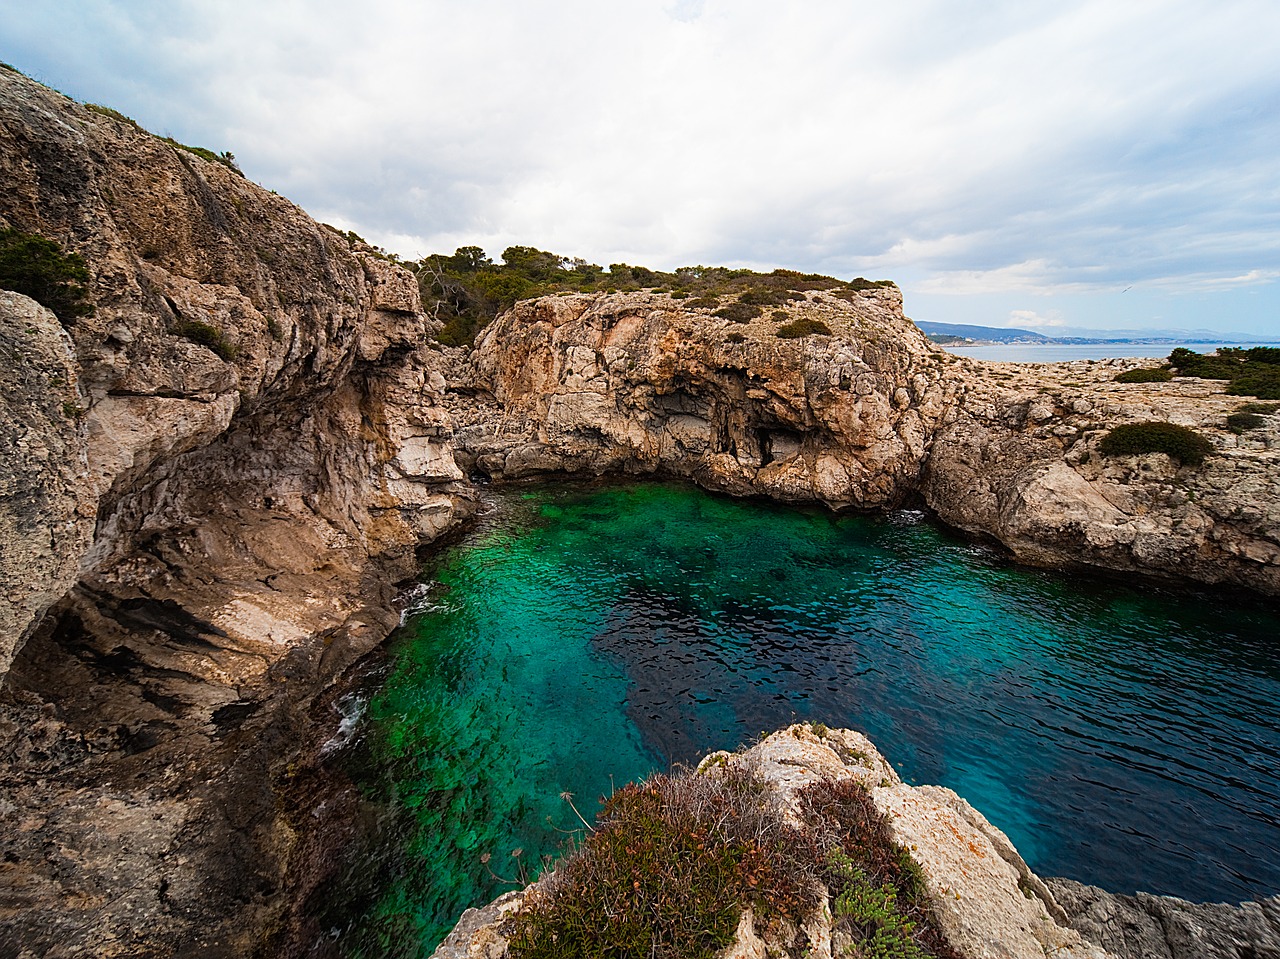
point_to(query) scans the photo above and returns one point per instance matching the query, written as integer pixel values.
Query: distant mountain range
(952, 333)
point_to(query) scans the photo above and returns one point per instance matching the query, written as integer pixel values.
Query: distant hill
(986, 334)
(952, 334)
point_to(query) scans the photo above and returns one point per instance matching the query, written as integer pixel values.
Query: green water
(584, 636)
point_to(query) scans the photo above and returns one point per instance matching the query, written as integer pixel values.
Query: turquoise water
(584, 636)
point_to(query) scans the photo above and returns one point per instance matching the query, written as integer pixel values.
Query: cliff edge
(209, 486)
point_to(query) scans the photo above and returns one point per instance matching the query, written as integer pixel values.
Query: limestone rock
(209, 487)
(636, 382)
(46, 520)
(1162, 927)
(989, 903)
(1039, 485)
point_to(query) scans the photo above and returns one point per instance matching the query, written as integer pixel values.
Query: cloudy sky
(1110, 164)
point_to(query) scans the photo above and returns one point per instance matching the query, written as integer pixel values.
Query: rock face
(1018, 461)
(870, 417)
(46, 523)
(209, 487)
(1161, 927)
(637, 383)
(988, 903)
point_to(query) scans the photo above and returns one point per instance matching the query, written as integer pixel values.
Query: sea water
(585, 635)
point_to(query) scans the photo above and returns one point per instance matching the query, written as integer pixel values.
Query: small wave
(414, 600)
(907, 517)
(351, 709)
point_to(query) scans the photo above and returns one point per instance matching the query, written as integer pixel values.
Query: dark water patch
(587, 636)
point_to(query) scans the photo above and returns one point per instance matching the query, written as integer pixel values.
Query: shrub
(704, 302)
(803, 326)
(1252, 372)
(880, 896)
(1265, 409)
(667, 872)
(1159, 374)
(1240, 422)
(767, 297)
(206, 335)
(37, 267)
(1132, 439)
(1262, 382)
(736, 337)
(739, 312)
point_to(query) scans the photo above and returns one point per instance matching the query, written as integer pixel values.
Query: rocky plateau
(213, 485)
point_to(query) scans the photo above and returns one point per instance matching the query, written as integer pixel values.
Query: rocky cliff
(210, 485)
(982, 896)
(639, 383)
(872, 416)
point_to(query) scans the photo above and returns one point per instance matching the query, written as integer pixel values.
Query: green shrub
(1252, 372)
(770, 297)
(880, 896)
(803, 326)
(207, 335)
(37, 267)
(1240, 422)
(1265, 409)
(468, 290)
(739, 312)
(1262, 382)
(1133, 439)
(1144, 374)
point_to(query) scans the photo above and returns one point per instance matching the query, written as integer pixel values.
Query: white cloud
(1024, 318)
(1081, 147)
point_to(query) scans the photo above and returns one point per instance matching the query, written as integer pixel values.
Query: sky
(1051, 166)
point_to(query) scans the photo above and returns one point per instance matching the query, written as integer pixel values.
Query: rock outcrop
(1162, 927)
(1018, 461)
(210, 485)
(638, 383)
(986, 900)
(872, 416)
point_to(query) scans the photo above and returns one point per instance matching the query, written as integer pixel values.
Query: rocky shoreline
(213, 484)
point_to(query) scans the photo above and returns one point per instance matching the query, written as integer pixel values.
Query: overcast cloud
(1103, 164)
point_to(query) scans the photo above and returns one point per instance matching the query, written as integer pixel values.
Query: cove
(584, 635)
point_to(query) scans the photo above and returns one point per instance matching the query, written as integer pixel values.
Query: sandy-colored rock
(988, 902)
(1038, 484)
(46, 518)
(210, 485)
(636, 382)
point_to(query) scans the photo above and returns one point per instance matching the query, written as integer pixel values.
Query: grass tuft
(207, 335)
